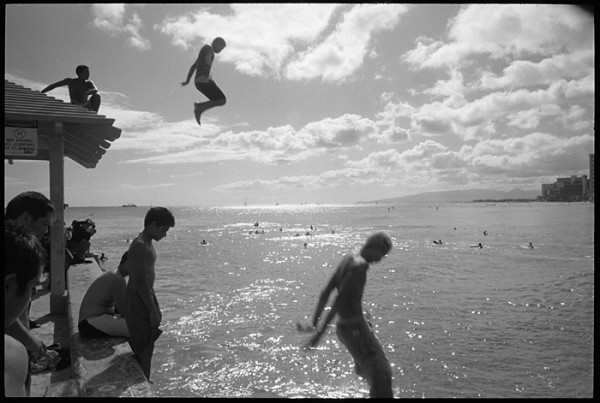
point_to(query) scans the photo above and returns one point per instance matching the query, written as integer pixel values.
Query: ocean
(454, 320)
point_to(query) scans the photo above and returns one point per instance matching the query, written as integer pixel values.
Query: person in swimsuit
(203, 80)
(103, 305)
(80, 89)
(142, 312)
(353, 330)
(24, 259)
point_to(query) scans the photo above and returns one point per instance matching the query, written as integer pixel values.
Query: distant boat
(129, 205)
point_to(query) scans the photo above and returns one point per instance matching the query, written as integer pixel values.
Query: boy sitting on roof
(80, 89)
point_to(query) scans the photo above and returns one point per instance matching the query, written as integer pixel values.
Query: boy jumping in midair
(203, 80)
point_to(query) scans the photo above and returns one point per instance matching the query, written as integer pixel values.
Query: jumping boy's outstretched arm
(189, 76)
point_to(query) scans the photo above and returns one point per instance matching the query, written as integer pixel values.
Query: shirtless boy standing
(352, 328)
(203, 80)
(142, 312)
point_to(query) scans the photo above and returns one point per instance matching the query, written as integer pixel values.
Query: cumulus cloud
(531, 155)
(111, 18)
(169, 143)
(288, 40)
(343, 51)
(506, 74)
(505, 31)
(260, 37)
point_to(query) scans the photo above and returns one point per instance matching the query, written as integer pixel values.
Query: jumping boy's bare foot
(197, 112)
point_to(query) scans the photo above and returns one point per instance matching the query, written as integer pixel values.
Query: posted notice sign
(20, 141)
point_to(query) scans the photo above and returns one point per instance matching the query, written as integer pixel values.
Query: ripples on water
(454, 321)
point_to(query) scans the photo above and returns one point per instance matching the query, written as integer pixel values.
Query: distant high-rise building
(591, 181)
(574, 188)
(570, 189)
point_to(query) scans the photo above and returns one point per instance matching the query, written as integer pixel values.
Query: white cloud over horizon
(493, 98)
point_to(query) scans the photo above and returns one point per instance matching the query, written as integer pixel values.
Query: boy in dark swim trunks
(353, 330)
(203, 81)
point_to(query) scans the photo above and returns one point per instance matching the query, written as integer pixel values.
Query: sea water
(454, 320)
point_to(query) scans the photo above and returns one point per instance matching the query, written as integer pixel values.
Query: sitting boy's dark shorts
(210, 90)
(87, 330)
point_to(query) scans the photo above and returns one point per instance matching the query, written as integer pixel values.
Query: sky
(326, 103)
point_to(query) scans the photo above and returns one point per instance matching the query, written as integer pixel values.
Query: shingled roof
(87, 135)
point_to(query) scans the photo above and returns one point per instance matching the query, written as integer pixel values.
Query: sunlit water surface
(454, 321)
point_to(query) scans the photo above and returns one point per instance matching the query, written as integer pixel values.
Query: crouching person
(103, 306)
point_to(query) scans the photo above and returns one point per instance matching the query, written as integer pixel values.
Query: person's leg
(379, 371)
(93, 104)
(369, 358)
(144, 357)
(112, 325)
(87, 330)
(213, 93)
(381, 387)
(95, 101)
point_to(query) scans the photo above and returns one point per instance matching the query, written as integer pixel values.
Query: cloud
(288, 40)
(260, 37)
(531, 155)
(135, 187)
(505, 32)
(343, 51)
(344, 177)
(511, 69)
(169, 143)
(511, 162)
(110, 18)
(525, 73)
(497, 113)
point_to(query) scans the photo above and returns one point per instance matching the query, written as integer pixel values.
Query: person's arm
(118, 290)
(15, 368)
(56, 85)
(189, 76)
(340, 300)
(91, 90)
(317, 336)
(140, 262)
(18, 331)
(333, 283)
(323, 300)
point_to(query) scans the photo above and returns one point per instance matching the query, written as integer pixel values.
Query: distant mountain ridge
(463, 196)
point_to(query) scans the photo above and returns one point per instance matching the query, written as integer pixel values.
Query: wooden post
(58, 300)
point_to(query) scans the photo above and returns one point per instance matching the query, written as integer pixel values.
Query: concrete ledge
(102, 367)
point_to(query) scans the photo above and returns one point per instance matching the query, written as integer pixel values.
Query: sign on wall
(20, 141)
